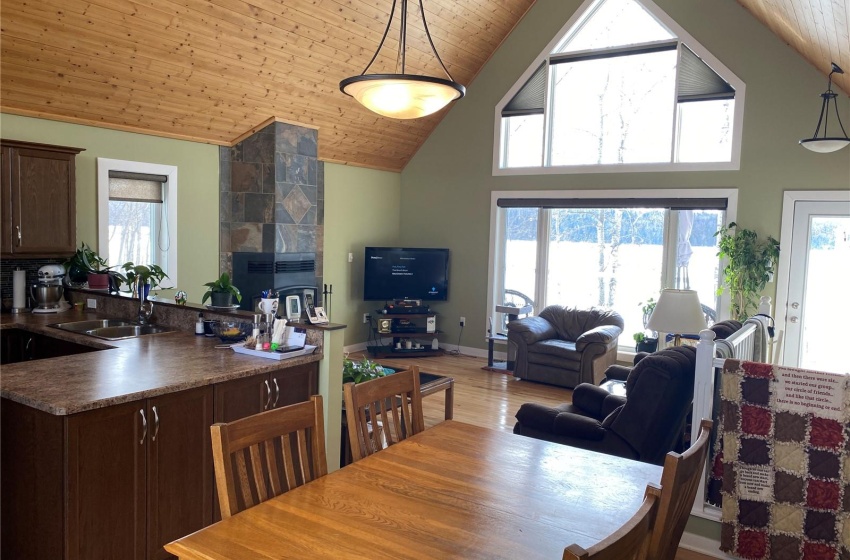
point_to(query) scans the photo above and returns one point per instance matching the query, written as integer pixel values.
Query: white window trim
(104, 166)
(684, 37)
(497, 227)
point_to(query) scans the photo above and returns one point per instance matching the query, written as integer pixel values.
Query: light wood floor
(487, 398)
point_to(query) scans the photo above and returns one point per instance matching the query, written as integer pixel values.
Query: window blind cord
(163, 225)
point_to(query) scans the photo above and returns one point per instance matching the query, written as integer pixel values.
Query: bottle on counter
(199, 325)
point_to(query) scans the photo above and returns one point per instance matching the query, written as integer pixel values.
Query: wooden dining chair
(629, 542)
(267, 454)
(679, 482)
(383, 411)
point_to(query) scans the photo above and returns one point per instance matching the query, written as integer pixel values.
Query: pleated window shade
(136, 187)
(698, 82)
(530, 98)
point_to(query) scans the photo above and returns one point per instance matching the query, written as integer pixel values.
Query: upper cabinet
(38, 199)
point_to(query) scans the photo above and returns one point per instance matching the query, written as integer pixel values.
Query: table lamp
(677, 312)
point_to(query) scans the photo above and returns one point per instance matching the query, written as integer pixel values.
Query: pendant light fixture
(403, 96)
(826, 144)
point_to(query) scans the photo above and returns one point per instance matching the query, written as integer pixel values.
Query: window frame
(104, 166)
(496, 259)
(584, 11)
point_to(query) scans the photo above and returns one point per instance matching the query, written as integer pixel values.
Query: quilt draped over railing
(785, 436)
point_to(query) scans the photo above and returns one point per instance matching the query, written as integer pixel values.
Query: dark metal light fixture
(825, 144)
(403, 96)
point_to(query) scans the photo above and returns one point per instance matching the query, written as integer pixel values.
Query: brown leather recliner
(644, 426)
(565, 346)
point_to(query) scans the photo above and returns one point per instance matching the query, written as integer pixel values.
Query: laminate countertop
(123, 370)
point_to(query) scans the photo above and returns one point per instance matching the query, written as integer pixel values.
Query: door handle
(19, 235)
(276, 392)
(269, 391)
(144, 426)
(155, 423)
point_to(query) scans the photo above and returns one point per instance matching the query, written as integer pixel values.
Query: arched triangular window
(624, 86)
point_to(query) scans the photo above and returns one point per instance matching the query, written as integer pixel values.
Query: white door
(813, 281)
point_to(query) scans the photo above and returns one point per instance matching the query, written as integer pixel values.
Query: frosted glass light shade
(824, 145)
(677, 312)
(402, 96)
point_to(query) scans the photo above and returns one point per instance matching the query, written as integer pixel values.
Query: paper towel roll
(19, 289)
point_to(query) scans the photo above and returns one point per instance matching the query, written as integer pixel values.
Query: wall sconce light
(826, 144)
(403, 96)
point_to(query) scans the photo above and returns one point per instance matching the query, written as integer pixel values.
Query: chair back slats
(264, 455)
(383, 411)
(629, 542)
(679, 483)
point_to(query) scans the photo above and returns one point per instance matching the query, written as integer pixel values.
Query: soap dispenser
(199, 325)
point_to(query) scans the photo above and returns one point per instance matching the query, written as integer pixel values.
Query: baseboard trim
(703, 545)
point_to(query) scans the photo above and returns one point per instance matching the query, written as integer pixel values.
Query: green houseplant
(85, 262)
(750, 263)
(221, 292)
(141, 277)
(357, 372)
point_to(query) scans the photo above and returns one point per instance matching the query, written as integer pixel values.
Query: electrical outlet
(366, 317)
(463, 321)
(91, 303)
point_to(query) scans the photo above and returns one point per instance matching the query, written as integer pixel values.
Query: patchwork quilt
(785, 476)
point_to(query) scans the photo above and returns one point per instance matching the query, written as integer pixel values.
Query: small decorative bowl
(232, 331)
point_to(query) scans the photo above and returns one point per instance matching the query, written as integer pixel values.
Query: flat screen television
(395, 273)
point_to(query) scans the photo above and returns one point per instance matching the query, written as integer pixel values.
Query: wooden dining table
(453, 491)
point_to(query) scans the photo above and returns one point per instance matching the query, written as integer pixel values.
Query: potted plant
(749, 266)
(645, 343)
(139, 277)
(357, 372)
(221, 292)
(87, 266)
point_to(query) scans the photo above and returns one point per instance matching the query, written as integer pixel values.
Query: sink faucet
(145, 309)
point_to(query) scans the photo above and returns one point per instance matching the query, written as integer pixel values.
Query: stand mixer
(47, 293)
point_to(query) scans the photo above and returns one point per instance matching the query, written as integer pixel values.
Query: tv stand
(404, 329)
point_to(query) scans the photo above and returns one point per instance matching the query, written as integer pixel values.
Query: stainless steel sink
(111, 329)
(83, 326)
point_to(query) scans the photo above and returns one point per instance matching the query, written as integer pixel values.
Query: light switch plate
(91, 303)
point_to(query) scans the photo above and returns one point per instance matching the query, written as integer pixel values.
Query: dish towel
(785, 462)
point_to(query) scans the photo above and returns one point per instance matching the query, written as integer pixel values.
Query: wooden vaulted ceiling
(211, 70)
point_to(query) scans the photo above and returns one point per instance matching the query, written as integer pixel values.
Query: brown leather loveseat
(565, 346)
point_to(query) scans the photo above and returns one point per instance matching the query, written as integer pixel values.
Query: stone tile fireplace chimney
(272, 196)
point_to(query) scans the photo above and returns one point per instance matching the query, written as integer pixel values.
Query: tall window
(616, 252)
(137, 214)
(622, 86)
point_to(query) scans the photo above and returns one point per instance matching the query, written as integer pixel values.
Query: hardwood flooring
(487, 398)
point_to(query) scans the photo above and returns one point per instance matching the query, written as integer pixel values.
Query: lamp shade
(402, 96)
(677, 312)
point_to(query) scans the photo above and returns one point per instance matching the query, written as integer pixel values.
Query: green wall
(197, 180)
(445, 198)
(361, 209)
(446, 187)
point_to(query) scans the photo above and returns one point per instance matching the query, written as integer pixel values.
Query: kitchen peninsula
(106, 454)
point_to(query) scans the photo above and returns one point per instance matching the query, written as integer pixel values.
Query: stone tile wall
(272, 195)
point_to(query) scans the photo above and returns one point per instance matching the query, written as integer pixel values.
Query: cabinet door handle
(144, 426)
(27, 351)
(19, 235)
(276, 391)
(269, 391)
(155, 423)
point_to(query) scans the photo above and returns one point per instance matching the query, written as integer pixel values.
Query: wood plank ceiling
(211, 70)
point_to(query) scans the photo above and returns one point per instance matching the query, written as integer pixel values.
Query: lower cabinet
(122, 481)
(139, 475)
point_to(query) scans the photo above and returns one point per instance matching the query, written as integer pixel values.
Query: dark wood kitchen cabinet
(37, 199)
(244, 397)
(135, 477)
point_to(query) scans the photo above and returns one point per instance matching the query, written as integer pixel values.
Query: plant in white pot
(221, 292)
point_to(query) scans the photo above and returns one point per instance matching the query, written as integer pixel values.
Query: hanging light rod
(826, 144)
(403, 96)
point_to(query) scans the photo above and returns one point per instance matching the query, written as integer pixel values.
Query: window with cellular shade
(530, 98)
(698, 82)
(136, 187)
